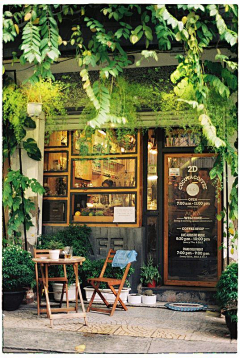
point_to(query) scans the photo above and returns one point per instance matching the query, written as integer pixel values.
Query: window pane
(152, 238)
(152, 172)
(55, 185)
(55, 161)
(102, 142)
(117, 172)
(182, 138)
(99, 207)
(54, 211)
(57, 139)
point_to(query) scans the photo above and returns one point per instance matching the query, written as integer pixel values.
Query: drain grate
(186, 306)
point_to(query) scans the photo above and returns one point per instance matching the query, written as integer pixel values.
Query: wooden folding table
(44, 265)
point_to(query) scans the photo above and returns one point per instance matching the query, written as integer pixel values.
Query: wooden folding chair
(39, 281)
(111, 282)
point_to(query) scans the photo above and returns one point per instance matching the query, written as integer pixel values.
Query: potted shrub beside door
(227, 297)
(17, 276)
(150, 275)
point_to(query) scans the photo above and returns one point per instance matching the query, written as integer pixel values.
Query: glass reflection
(112, 173)
(192, 223)
(99, 207)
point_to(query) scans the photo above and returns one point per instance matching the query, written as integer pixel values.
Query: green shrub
(227, 291)
(76, 236)
(17, 269)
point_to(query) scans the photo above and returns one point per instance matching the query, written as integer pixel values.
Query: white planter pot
(57, 292)
(34, 109)
(54, 254)
(110, 297)
(149, 300)
(134, 299)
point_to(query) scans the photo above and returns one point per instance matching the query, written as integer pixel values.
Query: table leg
(45, 284)
(78, 292)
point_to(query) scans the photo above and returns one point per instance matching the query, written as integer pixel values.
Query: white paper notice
(124, 214)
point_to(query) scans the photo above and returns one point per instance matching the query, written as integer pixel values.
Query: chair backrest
(40, 253)
(109, 259)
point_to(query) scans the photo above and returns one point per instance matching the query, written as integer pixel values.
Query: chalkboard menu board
(191, 203)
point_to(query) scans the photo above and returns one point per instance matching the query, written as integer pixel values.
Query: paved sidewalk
(139, 330)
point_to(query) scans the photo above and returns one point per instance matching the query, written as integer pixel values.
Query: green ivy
(19, 207)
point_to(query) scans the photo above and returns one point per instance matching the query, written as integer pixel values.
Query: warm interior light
(152, 177)
(153, 151)
(150, 145)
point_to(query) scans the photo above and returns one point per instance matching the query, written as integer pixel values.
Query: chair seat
(110, 281)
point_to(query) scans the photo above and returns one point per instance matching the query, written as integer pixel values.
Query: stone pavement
(141, 329)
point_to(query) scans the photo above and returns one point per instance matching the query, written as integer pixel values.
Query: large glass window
(115, 172)
(92, 207)
(102, 142)
(94, 175)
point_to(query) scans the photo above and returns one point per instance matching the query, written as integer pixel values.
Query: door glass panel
(152, 172)
(115, 172)
(152, 238)
(192, 225)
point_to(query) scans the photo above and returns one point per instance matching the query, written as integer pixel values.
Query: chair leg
(96, 290)
(117, 299)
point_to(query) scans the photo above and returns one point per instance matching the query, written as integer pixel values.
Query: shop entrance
(192, 233)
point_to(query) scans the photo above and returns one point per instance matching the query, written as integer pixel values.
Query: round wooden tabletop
(72, 260)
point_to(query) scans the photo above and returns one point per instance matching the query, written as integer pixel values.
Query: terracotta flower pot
(151, 284)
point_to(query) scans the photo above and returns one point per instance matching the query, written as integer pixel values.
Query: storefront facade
(150, 193)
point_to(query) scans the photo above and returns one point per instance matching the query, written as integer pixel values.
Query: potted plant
(135, 298)
(17, 275)
(148, 297)
(150, 275)
(227, 296)
(46, 96)
(54, 249)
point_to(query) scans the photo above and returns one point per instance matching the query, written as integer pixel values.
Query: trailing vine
(194, 27)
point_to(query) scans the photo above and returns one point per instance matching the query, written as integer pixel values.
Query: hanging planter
(34, 109)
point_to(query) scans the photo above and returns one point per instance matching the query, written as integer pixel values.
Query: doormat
(186, 306)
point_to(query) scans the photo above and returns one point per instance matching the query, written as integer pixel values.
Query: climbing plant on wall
(193, 27)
